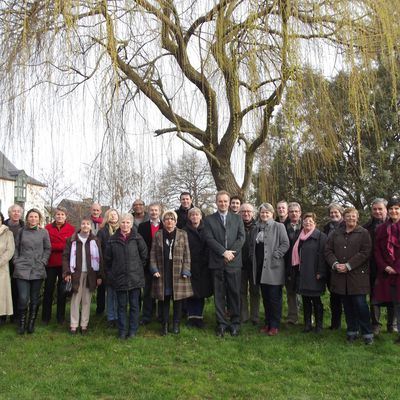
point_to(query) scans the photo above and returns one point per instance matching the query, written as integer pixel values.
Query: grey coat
(32, 251)
(276, 244)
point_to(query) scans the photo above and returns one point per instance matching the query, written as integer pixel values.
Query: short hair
(169, 213)
(246, 205)
(155, 204)
(34, 210)
(311, 215)
(126, 216)
(221, 193)
(86, 218)
(379, 200)
(12, 208)
(185, 194)
(137, 200)
(1, 218)
(349, 210)
(282, 202)
(61, 209)
(267, 206)
(335, 206)
(294, 204)
(236, 197)
(394, 201)
(194, 210)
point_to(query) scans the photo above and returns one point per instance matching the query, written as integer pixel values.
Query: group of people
(141, 262)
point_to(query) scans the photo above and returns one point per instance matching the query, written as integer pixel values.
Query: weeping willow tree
(215, 71)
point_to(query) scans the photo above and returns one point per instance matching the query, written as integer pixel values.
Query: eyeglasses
(138, 204)
(246, 211)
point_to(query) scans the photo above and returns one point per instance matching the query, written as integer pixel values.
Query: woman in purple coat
(387, 257)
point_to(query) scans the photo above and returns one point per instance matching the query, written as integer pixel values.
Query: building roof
(10, 172)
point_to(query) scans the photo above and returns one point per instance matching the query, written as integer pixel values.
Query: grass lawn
(51, 364)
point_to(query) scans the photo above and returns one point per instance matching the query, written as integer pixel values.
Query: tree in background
(215, 71)
(190, 174)
(351, 166)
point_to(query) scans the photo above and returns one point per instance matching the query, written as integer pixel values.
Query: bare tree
(215, 70)
(187, 174)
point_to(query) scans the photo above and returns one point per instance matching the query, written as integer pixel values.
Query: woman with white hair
(268, 244)
(126, 257)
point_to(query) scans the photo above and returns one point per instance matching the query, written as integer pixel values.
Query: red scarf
(97, 220)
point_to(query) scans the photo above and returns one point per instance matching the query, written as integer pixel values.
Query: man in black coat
(148, 229)
(224, 234)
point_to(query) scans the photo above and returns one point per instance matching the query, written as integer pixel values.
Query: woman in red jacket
(59, 232)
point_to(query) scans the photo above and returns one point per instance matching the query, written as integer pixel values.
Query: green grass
(51, 364)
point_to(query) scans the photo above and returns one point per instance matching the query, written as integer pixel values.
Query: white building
(18, 187)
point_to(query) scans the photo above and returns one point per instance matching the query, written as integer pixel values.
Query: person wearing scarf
(83, 265)
(268, 244)
(347, 253)
(108, 227)
(170, 266)
(310, 267)
(387, 257)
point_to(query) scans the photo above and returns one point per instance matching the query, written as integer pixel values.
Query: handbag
(66, 287)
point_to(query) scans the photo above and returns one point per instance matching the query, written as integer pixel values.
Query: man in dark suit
(148, 229)
(225, 235)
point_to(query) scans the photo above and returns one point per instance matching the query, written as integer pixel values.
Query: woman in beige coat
(7, 248)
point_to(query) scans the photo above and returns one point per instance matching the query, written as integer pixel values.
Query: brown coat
(92, 275)
(6, 252)
(353, 248)
(182, 288)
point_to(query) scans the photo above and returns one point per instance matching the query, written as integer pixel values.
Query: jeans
(272, 299)
(54, 274)
(124, 297)
(357, 315)
(28, 291)
(112, 304)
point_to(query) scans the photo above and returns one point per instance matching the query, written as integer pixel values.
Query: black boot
(164, 329)
(32, 318)
(319, 317)
(176, 328)
(22, 322)
(307, 311)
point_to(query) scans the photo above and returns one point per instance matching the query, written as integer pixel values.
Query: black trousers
(54, 274)
(164, 309)
(101, 299)
(227, 283)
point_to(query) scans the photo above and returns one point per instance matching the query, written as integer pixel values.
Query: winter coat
(276, 244)
(182, 287)
(92, 275)
(353, 248)
(312, 262)
(385, 282)
(104, 236)
(58, 240)
(125, 261)
(200, 274)
(7, 248)
(32, 251)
